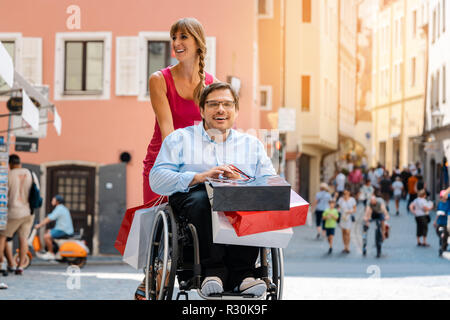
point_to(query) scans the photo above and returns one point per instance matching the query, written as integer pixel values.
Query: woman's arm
(412, 208)
(160, 104)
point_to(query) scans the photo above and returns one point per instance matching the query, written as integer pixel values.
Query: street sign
(25, 144)
(23, 128)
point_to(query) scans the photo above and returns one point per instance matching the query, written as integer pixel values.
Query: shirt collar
(207, 137)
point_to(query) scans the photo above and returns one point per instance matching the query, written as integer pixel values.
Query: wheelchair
(174, 255)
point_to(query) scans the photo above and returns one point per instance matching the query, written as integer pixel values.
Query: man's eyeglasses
(213, 104)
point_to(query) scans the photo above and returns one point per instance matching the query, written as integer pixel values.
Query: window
(138, 57)
(265, 96)
(158, 57)
(413, 71)
(262, 7)
(10, 48)
(438, 80)
(265, 9)
(434, 27)
(83, 67)
(443, 16)
(444, 84)
(306, 9)
(306, 93)
(438, 22)
(432, 84)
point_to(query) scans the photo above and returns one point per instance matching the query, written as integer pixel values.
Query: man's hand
(214, 173)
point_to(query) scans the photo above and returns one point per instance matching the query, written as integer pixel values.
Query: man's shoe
(212, 285)
(19, 271)
(253, 286)
(330, 250)
(46, 256)
(3, 285)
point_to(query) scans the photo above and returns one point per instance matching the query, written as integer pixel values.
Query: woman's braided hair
(193, 27)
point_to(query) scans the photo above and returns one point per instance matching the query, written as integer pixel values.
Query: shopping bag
(262, 193)
(124, 230)
(136, 249)
(223, 233)
(252, 222)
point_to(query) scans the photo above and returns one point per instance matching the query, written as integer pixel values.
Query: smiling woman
(175, 90)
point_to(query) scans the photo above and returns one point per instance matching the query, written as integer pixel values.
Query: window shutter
(127, 66)
(210, 59)
(31, 60)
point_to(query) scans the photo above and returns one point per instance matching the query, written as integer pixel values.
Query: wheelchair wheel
(272, 258)
(162, 258)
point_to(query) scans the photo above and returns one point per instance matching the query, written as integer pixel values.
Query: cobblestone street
(404, 271)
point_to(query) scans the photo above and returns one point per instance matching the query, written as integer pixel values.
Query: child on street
(330, 216)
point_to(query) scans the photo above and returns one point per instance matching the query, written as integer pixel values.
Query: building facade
(95, 57)
(436, 142)
(398, 78)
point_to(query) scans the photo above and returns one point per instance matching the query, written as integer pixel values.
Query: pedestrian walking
(20, 217)
(341, 179)
(385, 188)
(397, 188)
(373, 178)
(355, 179)
(404, 175)
(441, 221)
(347, 209)
(367, 190)
(421, 185)
(420, 207)
(320, 205)
(11, 266)
(412, 190)
(330, 217)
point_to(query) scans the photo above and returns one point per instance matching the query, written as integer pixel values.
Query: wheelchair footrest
(229, 294)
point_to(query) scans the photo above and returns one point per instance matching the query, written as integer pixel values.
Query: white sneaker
(253, 286)
(3, 285)
(212, 285)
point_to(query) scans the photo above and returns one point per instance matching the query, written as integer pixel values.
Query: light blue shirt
(323, 198)
(188, 151)
(63, 219)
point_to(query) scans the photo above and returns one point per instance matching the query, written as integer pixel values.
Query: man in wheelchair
(188, 157)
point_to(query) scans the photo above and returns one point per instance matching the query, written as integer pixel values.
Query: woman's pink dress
(184, 114)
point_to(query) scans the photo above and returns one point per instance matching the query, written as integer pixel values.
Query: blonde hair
(193, 27)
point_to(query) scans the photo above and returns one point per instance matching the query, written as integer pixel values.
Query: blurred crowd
(335, 203)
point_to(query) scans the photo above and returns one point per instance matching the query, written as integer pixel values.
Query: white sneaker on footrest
(253, 286)
(212, 285)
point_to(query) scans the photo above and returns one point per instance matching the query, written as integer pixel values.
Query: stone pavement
(405, 271)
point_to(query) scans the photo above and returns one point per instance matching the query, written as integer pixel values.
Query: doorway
(77, 185)
(304, 170)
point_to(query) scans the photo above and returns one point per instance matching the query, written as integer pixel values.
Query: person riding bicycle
(376, 209)
(211, 149)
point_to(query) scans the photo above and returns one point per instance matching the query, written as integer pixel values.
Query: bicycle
(378, 237)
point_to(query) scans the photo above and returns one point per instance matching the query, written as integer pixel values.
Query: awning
(21, 83)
